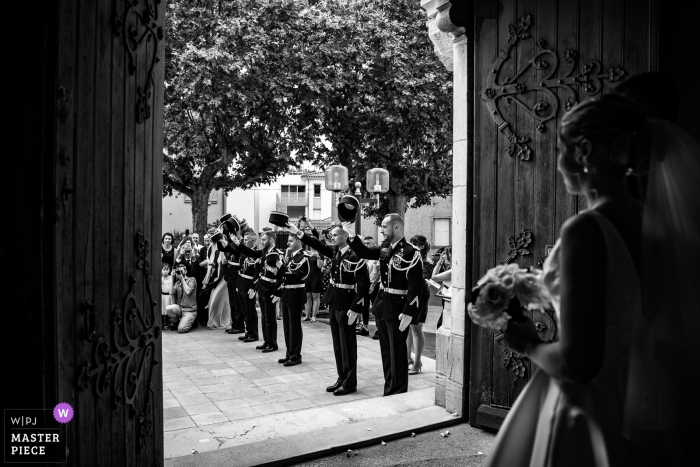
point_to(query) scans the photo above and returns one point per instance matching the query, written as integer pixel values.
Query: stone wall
(451, 343)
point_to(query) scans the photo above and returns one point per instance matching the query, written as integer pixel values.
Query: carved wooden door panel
(535, 59)
(108, 180)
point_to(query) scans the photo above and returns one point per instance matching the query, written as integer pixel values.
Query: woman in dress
(619, 386)
(416, 335)
(442, 273)
(325, 271)
(219, 305)
(167, 252)
(313, 282)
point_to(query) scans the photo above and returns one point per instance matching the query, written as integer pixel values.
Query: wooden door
(533, 60)
(108, 141)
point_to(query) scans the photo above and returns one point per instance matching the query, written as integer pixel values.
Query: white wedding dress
(555, 423)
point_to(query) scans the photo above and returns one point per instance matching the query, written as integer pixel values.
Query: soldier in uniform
(400, 288)
(266, 277)
(290, 291)
(348, 298)
(246, 290)
(244, 293)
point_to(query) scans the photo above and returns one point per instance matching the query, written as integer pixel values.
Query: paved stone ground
(465, 446)
(214, 383)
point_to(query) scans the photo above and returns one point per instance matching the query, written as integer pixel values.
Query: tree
(256, 86)
(235, 116)
(388, 99)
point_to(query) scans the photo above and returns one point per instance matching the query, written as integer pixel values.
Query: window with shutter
(441, 232)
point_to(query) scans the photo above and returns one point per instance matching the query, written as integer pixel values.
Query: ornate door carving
(108, 206)
(533, 61)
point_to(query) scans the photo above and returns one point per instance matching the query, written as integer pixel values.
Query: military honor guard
(265, 281)
(291, 292)
(400, 288)
(240, 276)
(246, 289)
(348, 298)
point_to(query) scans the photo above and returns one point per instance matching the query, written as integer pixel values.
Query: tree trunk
(397, 203)
(200, 210)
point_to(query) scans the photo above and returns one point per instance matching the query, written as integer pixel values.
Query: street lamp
(336, 178)
(377, 181)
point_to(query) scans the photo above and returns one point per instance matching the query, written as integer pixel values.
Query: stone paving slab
(217, 387)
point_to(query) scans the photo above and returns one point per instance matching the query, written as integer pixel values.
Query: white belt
(293, 286)
(394, 291)
(268, 279)
(343, 286)
(246, 277)
(234, 264)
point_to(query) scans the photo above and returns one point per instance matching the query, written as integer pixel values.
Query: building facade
(297, 193)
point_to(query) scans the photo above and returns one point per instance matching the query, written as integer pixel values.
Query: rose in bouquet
(503, 293)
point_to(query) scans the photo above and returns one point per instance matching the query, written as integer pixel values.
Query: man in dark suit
(265, 280)
(400, 287)
(246, 290)
(290, 290)
(348, 298)
(233, 266)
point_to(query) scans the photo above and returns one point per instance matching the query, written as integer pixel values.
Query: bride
(620, 385)
(219, 306)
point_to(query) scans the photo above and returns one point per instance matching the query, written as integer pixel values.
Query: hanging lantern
(377, 181)
(336, 178)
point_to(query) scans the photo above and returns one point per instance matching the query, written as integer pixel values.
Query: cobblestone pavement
(214, 383)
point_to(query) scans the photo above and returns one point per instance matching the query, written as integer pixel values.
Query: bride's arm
(578, 354)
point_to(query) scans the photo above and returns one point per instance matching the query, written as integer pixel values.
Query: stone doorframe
(446, 28)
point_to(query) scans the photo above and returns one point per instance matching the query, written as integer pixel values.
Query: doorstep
(355, 433)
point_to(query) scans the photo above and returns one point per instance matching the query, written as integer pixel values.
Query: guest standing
(167, 252)
(166, 290)
(314, 280)
(416, 335)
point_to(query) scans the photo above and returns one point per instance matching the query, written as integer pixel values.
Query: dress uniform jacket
(401, 277)
(290, 285)
(349, 277)
(265, 275)
(247, 274)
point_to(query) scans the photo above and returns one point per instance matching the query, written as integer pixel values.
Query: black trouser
(269, 320)
(247, 305)
(344, 348)
(202, 302)
(293, 335)
(392, 344)
(370, 299)
(237, 314)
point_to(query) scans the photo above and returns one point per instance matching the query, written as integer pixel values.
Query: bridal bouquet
(503, 293)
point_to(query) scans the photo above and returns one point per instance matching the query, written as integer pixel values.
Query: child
(166, 290)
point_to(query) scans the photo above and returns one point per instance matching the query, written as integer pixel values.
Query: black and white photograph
(339, 233)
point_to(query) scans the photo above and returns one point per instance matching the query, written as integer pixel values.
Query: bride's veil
(661, 402)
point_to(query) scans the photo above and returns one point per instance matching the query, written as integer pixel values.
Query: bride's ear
(583, 153)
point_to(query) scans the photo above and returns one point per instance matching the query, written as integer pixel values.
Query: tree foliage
(256, 86)
(388, 101)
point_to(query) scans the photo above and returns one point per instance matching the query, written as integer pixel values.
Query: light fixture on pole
(336, 178)
(377, 181)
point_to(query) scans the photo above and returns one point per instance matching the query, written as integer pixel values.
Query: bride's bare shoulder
(581, 235)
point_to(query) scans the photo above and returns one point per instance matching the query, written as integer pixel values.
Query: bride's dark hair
(616, 122)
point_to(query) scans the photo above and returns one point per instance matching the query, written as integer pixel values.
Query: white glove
(405, 321)
(251, 293)
(352, 316)
(235, 239)
(293, 229)
(349, 227)
(275, 299)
